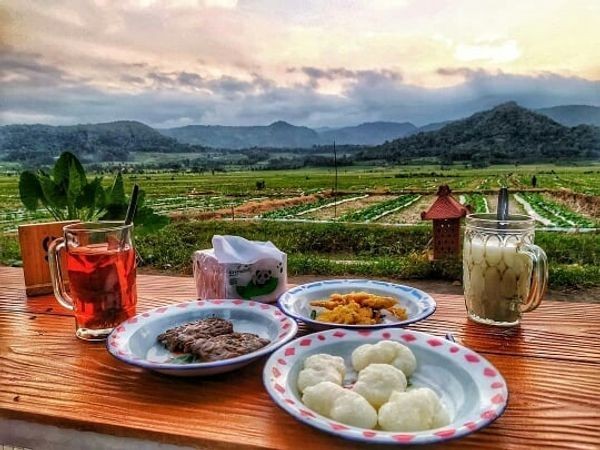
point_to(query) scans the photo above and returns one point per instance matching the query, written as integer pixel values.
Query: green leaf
(53, 195)
(66, 166)
(147, 221)
(116, 202)
(92, 200)
(76, 183)
(30, 190)
(186, 358)
(116, 195)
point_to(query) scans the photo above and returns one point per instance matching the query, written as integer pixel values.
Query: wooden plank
(48, 375)
(557, 330)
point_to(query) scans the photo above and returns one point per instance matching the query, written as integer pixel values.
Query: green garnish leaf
(186, 358)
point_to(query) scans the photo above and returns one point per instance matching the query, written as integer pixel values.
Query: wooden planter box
(34, 240)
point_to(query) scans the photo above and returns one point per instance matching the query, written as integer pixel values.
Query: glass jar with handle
(504, 273)
(101, 268)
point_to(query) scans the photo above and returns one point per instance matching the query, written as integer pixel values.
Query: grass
(363, 250)
(349, 249)
(336, 248)
(10, 253)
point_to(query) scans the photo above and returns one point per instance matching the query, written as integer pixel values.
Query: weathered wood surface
(551, 364)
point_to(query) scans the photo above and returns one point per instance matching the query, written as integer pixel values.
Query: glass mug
(504, 273)
(101, 265)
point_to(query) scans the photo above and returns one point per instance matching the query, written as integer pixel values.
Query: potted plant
(67, 194)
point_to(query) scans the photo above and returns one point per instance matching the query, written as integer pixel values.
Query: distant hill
(93, 142)
(573, 115)
(507, 132)
(370, 133)
(277, 135)
(434, 126)
(284, 135)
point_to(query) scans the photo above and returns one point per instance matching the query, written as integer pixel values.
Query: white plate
(473, 391)
(296, 301)
(134, 341)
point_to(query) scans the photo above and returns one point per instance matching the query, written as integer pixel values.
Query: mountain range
(284, 135)
(504, 129)
(507, 132)
(94, 142)
(573, 115)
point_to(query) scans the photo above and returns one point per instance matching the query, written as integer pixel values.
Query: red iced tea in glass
(100, 262)
(102, 285)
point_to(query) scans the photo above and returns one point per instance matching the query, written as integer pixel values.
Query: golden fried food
(398, 312)
(357, 308)
(350, 314)
(328, 304)
(377, 302)
(362, 298)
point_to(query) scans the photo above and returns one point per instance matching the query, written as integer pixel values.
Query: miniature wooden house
(445, 213)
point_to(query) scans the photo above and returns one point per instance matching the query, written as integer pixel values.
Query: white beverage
(496, 279)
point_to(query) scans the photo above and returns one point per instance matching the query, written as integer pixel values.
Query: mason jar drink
(504, 273)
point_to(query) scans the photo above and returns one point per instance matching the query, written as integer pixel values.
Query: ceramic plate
(296, 302)
(472, 390)
(134, 341)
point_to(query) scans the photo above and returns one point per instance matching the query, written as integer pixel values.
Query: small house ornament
(445, 213)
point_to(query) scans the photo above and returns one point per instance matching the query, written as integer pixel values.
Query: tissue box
(262, 280)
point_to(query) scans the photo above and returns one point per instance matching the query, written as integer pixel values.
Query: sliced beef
(227, 346)
(180, 338)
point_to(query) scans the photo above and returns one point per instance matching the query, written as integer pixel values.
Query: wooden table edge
(124, 431)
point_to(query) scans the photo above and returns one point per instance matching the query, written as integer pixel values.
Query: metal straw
(132, 205)
(502, 210)
(131, 208)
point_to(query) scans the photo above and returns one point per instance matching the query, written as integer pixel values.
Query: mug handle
(539, 275)
(56, 275)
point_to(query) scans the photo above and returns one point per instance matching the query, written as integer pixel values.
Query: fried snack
(357, 308)
(327, 304)
(398, 312)
(361, 298)
(350, 314)
(377, 302)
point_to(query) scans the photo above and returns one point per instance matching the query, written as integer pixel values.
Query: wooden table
(551, 364)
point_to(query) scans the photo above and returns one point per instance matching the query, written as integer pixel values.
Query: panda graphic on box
(261, 276)
(264, 280)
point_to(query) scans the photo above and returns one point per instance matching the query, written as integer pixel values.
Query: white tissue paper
(238, 268)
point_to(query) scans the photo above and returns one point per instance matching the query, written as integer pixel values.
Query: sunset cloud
(310, 62)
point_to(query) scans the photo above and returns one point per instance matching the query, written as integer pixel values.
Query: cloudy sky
(310, 62)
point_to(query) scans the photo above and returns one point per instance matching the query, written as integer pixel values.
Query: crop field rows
(555, 214)
(366, 194)
(360, 208)
(183, 203)
(406, 209)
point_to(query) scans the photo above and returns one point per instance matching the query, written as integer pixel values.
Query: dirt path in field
(412, 214)
(514, 207)
(248, 209)
(345, 208)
